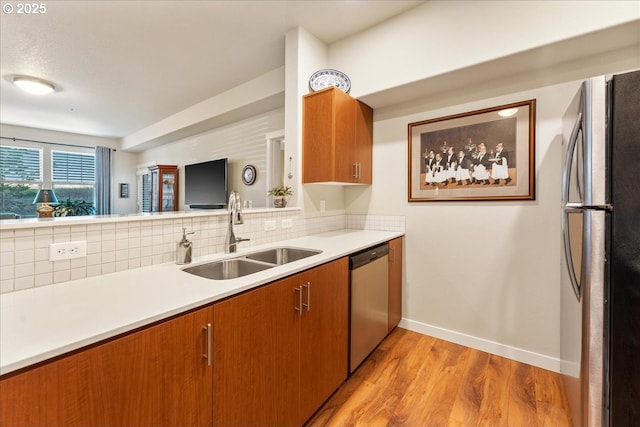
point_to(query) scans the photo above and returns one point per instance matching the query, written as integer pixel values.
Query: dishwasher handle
(366, 256)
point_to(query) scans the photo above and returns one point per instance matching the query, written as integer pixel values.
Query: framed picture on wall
(482, 155)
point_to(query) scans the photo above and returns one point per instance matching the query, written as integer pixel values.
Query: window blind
(20, 163)
(73, 167)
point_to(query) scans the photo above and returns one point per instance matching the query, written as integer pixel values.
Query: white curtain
(103, 181)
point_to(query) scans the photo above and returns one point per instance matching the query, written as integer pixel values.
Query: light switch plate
(269, 225)
(287, 223)
(67, 250)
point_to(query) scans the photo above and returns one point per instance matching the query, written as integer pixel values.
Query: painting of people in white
(482, 155)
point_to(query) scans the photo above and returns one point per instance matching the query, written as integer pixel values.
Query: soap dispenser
(184, 248)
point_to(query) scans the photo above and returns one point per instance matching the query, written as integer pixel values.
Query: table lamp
(43, 198)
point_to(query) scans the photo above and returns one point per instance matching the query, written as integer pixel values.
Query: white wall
(499, 293)
(488, 270)
(242, 143)
(123, 164)
(441, 36)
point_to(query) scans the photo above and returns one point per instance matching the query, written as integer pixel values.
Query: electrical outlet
(67, 250)
(323, 206)
(287, 223)
(270, 225)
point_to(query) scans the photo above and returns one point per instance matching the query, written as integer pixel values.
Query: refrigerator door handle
(566, 172)
(567, 252)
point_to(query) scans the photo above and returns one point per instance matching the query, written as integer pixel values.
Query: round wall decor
(249, 175)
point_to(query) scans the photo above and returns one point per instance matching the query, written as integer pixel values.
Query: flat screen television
(205, 184)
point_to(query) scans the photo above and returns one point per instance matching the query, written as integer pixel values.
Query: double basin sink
(251, 263)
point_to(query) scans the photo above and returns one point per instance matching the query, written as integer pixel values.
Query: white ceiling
(120, 66)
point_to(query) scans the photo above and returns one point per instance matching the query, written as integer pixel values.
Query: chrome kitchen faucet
(234, 212)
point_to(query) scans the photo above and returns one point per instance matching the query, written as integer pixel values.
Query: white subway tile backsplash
(21, 257)
(42, 267)
(78, 262)
(42, 254)
(6, 285)
(93, 270)
(132, 244)
(6, 259)
(94, 259)
(62, 265)
(6, 234)
(7, 245)
(24, 270)
(6, 273)
(122, 265)
(24, 232)
(108, 257)
(25, 282)
(22, 243)
(122, 255)
(43, 279)
(78, 273)
(61, 276)
(108, 267)
(61, 230)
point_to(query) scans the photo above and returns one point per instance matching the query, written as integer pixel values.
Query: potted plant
(74, 208)
(280, 194)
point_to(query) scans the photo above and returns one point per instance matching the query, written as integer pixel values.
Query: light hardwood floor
(417, 380)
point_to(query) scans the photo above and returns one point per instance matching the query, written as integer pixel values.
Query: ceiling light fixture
(508, 112)
(34, 85)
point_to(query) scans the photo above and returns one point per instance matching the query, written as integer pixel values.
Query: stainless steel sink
(248, 264)
(282, 255)
(227, 269)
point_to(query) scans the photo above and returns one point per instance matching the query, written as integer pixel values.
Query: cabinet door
(155, 191)
(324, 334)
(318, 136)
(153, 377)
(344, 137)
(395, 282)
(256, 357)
(169, 190)
(363, 143)
(164, 188)
(336, 135)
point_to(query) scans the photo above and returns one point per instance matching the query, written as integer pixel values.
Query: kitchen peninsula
(103, 313)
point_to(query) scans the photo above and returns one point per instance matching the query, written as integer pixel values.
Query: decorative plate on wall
(325, 78)
(249, 175)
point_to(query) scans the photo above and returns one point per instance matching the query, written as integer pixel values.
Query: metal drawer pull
(299, 307)
(308, 304)
(209, 331)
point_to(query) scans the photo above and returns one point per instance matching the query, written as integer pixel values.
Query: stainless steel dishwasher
(369, 301)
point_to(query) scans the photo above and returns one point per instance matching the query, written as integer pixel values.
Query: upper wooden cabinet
(337, 138)
(164, 188)
(157, 376)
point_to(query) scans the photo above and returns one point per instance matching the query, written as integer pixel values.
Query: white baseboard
(514, 353)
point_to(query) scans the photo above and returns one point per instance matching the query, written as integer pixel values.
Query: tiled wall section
(118, 246)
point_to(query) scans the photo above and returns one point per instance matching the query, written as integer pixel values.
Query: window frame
(46, 165)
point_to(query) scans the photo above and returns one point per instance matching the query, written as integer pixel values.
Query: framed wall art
(482, 155)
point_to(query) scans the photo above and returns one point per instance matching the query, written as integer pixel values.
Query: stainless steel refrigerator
(600, 284)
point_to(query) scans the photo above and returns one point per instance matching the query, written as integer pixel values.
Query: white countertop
(41, 323)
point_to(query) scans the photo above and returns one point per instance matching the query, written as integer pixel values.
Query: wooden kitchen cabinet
(395, 282)
(281, 350)
(337, 138)
(154, 377)
(164, 188)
